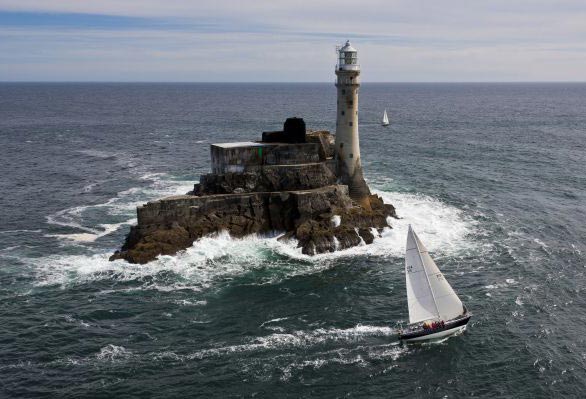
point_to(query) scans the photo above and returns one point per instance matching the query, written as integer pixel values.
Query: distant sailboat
(435, 311)
(385, 121)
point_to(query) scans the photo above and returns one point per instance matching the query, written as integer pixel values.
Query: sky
(292, 41)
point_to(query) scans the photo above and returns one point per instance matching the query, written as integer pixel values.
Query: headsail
(429, 295)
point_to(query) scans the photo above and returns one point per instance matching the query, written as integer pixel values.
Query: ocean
(491, 176)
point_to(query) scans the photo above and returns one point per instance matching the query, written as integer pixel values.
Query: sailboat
(385, 121)
(435, 311)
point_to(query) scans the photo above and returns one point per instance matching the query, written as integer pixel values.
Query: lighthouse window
(351, 155)
(341, 145)
(343, 91)
(350, 123)
(342, 112)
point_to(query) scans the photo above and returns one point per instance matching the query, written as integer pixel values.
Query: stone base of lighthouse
(357, 187)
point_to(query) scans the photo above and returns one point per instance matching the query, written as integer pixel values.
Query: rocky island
(302, 184)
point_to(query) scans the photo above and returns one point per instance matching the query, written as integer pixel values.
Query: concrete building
(349, 168)
(253, 156)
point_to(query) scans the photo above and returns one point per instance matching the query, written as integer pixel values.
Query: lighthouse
(348, 165)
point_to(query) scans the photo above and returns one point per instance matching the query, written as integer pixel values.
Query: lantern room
(348, 58)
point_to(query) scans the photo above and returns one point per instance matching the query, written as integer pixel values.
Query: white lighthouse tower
(347, 141)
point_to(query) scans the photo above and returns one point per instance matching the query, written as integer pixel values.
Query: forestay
(429, 295)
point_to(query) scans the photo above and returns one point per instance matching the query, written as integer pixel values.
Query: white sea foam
(113, 353)
(359, 355)
(518, 301)
(70, 319)
(317, 364)
(353, 355)
(11, 248)
(336, 220)
(185, 302)
(443, 229)
(98, 154)
(214, 258)
(104, 230)
(390, 351)
(273, 321)
(210, 258)
(506, 283)
(299, 339)
(124, 204)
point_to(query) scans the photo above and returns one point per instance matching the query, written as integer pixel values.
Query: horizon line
(287, 82)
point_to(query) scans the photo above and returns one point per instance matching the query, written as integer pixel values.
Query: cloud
(226, 40)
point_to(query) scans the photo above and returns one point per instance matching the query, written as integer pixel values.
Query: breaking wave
(113, 353)
(219, 257)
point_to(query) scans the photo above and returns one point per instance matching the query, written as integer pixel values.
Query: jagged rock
(366, 235)
(318, 234)
(172, 224)
(163, 241)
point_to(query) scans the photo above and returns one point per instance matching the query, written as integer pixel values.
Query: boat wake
(278, 352)
(298, 339)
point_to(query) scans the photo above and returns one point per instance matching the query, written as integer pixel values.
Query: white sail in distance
(385, 120)
(429, 296)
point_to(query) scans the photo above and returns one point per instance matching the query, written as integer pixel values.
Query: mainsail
(385, 119)
(429, 295)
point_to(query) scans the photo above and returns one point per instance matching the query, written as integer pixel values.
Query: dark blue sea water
(491, 176)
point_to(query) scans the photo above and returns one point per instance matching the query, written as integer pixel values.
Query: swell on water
(123, 205)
